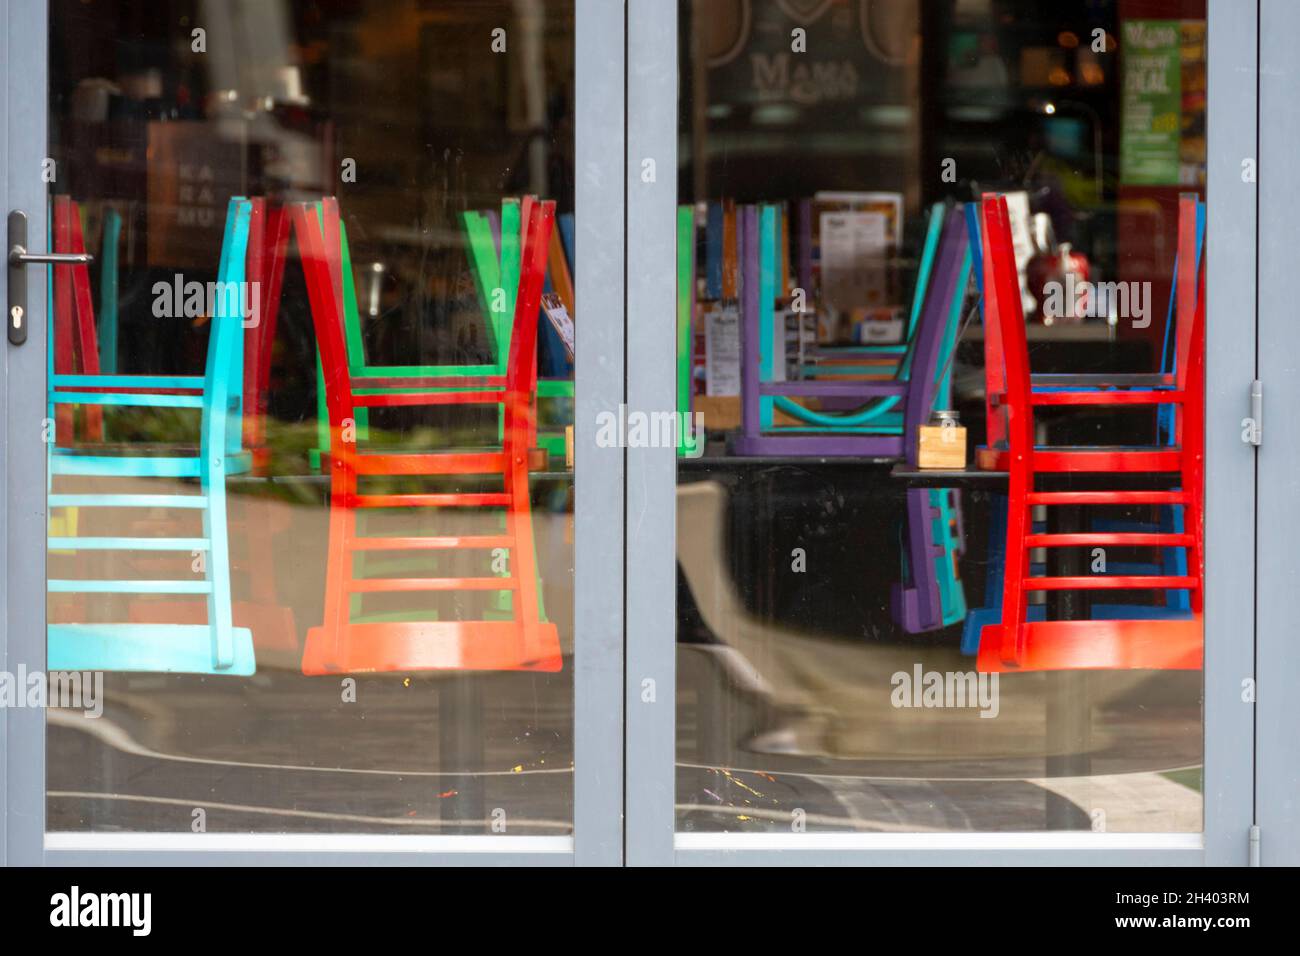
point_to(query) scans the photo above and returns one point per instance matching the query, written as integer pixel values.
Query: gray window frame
(625, 639)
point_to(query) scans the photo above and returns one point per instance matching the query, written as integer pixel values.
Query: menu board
(560, 320)
(854, 250)
(722, 350)
(855, 240)
(1152, 103)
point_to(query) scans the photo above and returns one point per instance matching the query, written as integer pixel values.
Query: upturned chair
(1016, 643)
(1169, 518)
(213, 647)
(347, 643)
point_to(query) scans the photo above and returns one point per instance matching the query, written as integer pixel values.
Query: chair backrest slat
(1005, 320)
(500, 322)
(771, 346)
(328, 291)
(76, 349)
(1167, 361)
(485, 266)
(222, 375)
(934, 228)
(268, 242)
(87, 344)
(326, 311)
(521, 368)
(745, 242)
(995, 373)
(951, 273)
(1187, 284)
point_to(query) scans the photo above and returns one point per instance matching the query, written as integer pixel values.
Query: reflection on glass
(310, 511)
(919, 244)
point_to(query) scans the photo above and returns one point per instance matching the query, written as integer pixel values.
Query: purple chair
(905, 401)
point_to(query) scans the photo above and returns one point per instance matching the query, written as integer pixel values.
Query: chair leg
(1193, 483)
(217, 571)
(922, 549)
(338, 572)
(1194, 520)
(951, 545)
(1014, 610)
(519, 527)
(1175, 560)
(991, 612)
(959, 521)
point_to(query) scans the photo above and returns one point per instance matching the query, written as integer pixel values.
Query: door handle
(19, 258)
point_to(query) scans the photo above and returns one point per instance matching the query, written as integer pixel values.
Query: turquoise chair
(878, 359)
(108, 292)
(882, 417)
(217, 647)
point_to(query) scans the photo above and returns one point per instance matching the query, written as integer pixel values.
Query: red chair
(268, 243)
(344, 645)
(1017, 644)
(992, 456)
(76, 345)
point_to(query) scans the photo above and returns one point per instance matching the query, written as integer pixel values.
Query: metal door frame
(1277, 762)
(1230, 512)
(625, 671)
(598, 668)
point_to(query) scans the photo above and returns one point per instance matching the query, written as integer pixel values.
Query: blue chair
(217, 647)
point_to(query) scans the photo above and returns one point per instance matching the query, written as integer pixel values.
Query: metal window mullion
(598, 472)
(651, 180)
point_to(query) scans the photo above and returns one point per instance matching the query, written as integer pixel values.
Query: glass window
(940, 327)
(311, 511)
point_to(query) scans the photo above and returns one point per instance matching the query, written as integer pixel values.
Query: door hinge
(1254, 846)
(1252, 428)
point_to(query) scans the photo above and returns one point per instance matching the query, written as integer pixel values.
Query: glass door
(297, 339)
(962, 340)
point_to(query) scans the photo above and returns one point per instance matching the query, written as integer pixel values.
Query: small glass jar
(945, 418)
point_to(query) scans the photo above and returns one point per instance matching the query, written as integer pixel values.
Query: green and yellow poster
(1152, 103)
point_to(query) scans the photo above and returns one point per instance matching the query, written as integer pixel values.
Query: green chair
(494, 264)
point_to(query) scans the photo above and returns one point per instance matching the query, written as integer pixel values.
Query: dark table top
(946, 478)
